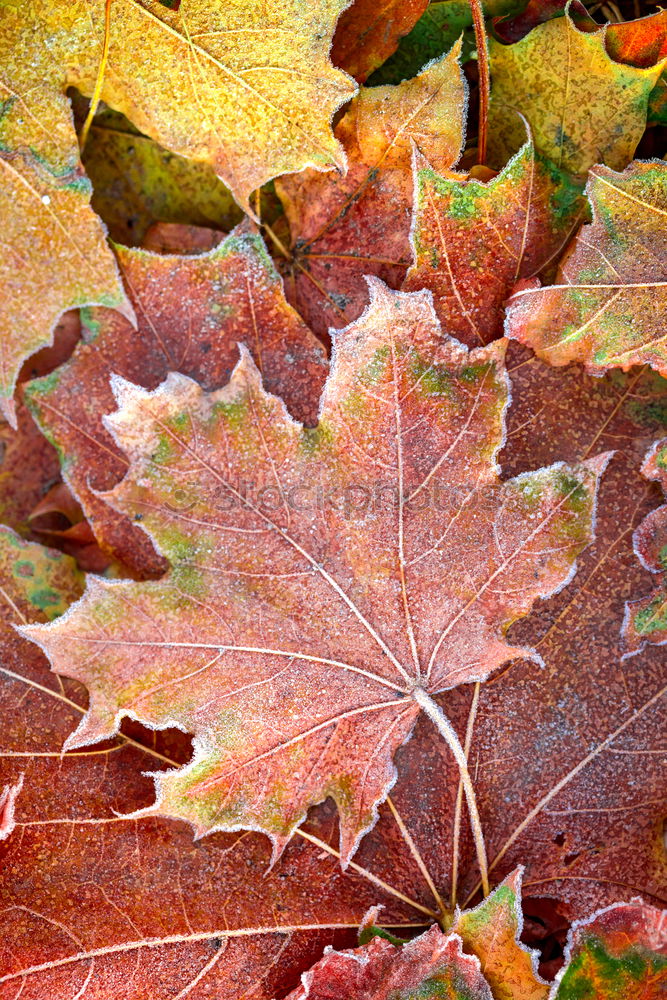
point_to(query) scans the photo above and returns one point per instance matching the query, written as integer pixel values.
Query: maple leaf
(432, 965)
(256, 89)
(55, 256)
(472, 241)
(643, 43)
(128, 908)
(491, 932)
(29, 466)
(568, 782)
(191, 311)
(616, 953)
(587, 808)
(393, 600)
(343, 228)
(366, 35)
(607, 308)
(256, 93)
(639, 43)
(481, 958)
(564, 82)
(439, 28)
(646, 620)
(515, 26)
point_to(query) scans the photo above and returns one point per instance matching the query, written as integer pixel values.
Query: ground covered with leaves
(333, 541)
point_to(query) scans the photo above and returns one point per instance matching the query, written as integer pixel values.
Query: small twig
(277, 241)
(99, 83)
(483, 73)
(445, 728)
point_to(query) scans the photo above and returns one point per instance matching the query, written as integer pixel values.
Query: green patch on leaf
(653, 617)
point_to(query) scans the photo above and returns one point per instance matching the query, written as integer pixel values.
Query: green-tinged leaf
(472, 241)
(564, 82)
(618, 954)
(608, 308)
(646, 619)
(316, 585)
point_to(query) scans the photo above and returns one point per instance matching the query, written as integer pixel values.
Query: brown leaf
(131, 908)
(403, 585)
(191, 313)
(367, 33)
(433, 965)
(343, 228)
(472, 241)
(563, 81)
(607, 308)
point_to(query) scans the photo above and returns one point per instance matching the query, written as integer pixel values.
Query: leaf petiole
(445, 728)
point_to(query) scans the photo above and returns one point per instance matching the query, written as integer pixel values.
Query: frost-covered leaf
(616, 954)
(137, 182)
(247, 88)
(54, 253)
(249, 91)
(192, 311)
(432, 966)
(646, 619)
(95, 904)
(368, 33)
(472, 241)
(491, 932)
(564, 82)
(608, 306)
(437, 30)
(321, 579)
(343, 228)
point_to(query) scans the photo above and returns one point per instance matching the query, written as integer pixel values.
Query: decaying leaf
(570, 781)
(250, 92)
(642, 42)
(384, 532)
(368, 33)
(564, 82)
(343, 228)
(438, 29)
(28, 469)
(646, 620)
(324, 591)
(593, 842)
(607, 309)
(431, 966)
(191, 313)
(472, 241)
(491, 932)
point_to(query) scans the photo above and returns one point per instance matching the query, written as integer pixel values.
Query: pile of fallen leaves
(333, 563)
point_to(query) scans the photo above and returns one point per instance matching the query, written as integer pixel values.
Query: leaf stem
(459, 796)
(95, 99)
(483, 72)
(446, 730)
